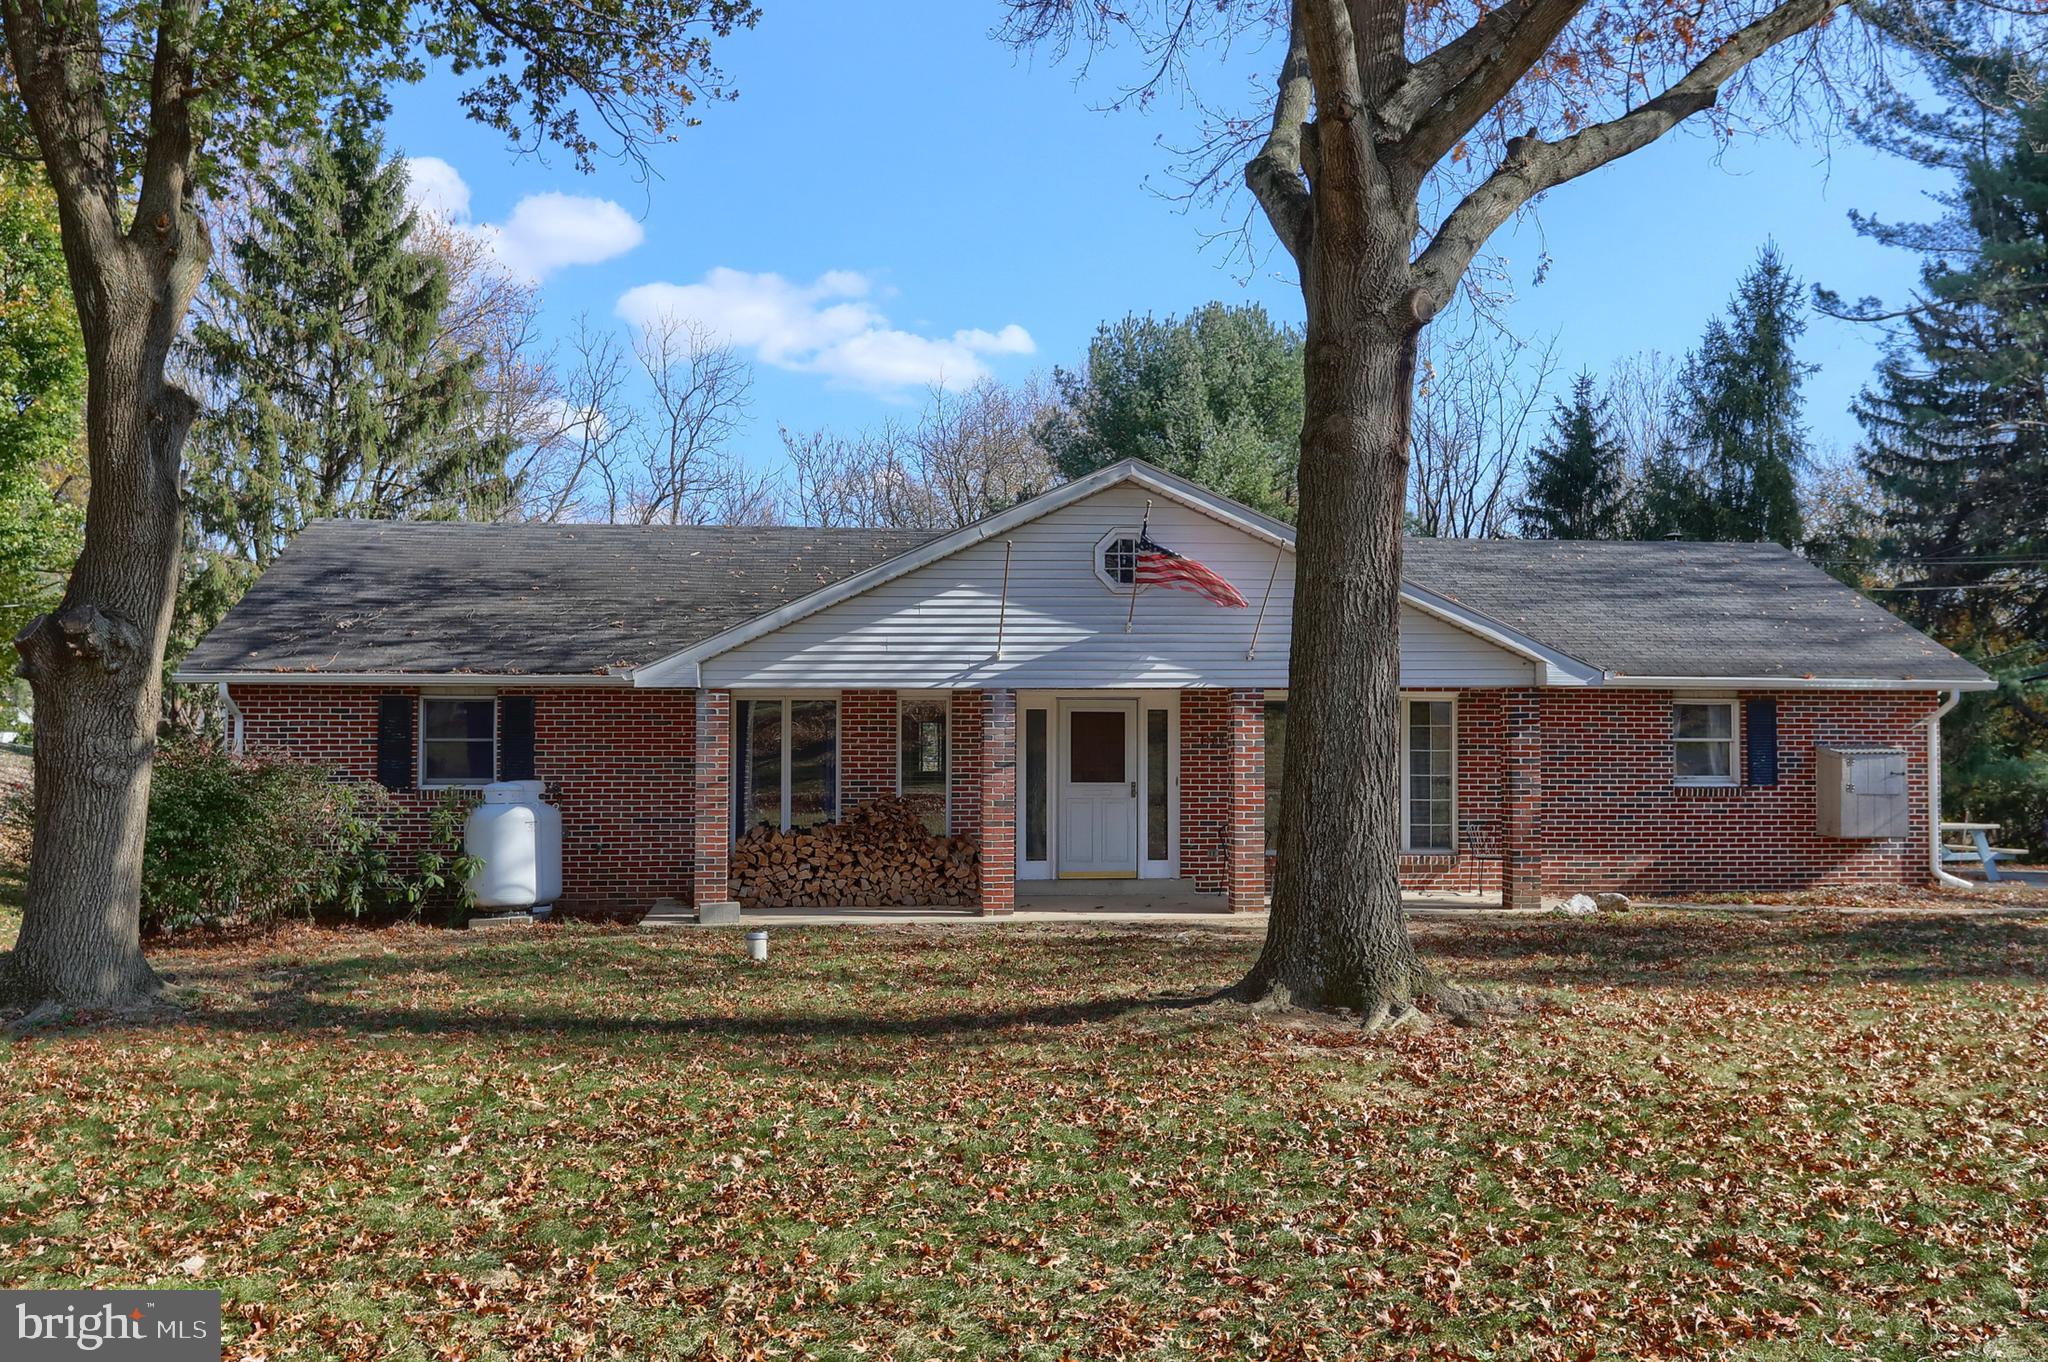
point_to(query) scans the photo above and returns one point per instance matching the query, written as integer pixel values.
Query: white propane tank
(547, 834)
(500, 833)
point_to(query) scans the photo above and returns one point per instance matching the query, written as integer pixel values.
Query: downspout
(231, 714)
(1933, 721)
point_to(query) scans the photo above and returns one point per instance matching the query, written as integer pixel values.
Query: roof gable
(685, 667)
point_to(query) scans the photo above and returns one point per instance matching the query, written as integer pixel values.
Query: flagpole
(1136, 549)
(1252, 651)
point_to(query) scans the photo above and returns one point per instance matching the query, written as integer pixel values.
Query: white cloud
(436, 187)
(545, 232)
(829, 326)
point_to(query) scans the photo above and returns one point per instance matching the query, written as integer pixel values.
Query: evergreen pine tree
(1577, 486)
(333, 387)
(322, 346)
(1956, 427)
(1215, 397)
(1956, 424)
(1732, 471)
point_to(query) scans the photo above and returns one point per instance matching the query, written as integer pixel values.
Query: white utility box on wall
(1862, 791)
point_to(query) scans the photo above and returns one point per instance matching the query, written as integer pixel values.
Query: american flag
(1161, 566)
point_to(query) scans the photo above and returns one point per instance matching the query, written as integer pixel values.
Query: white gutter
(1941, 876)
(231, 714)
(498, 680)
(1866, 683)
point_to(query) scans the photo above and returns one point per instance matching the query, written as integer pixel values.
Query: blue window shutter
(1760, 732)
(394, 741)
(515, 737)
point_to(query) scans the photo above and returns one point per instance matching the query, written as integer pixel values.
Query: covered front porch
(1105, 790)
(1140, 801)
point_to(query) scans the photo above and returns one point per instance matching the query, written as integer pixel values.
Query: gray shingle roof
(388, 596)
(380, 596)
(1682, 609)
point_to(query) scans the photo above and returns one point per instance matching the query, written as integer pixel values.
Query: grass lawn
(1797, 1136)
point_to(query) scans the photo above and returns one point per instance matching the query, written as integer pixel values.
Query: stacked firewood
(879, 855)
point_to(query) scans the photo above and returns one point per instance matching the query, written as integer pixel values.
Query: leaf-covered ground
(1797, 1136)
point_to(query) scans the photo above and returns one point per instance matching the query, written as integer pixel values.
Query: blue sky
(888, 200)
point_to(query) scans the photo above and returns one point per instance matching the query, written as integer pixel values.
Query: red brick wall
(1613, 820)
(711, 796)
(1609, 817)
(964, 742)
(867, 746)
(1205, 796)
(995, 764)
(618, 763)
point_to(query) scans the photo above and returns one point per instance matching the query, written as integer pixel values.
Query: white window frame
(419, 719)
(1734, 741)
(1102, 545)
(1428, 697)
(784, 698)
(1408, 848)
(945, 699)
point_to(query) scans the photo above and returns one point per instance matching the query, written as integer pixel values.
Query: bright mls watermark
(118, 1326)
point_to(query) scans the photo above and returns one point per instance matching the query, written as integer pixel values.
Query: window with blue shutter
(394, 741)
(1760, 731)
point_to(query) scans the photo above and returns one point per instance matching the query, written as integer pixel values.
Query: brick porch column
(996, 766)
(711, 809)
(1244, 839)
(1521, 832)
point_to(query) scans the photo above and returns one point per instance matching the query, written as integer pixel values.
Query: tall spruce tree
(322, 349)
(1214, 397)
(332, 388)
(1956, 424)
(1578, 480)
(1732, 471)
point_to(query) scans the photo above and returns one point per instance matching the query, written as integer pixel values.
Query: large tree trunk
(94, 662)
(1337, 937)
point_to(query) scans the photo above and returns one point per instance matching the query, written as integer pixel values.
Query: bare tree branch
(1274, 174)
(1448, 92)
(1532, 166)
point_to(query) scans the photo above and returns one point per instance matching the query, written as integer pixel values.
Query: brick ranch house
(1644, 717)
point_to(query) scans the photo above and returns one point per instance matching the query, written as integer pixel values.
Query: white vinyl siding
(935, 627)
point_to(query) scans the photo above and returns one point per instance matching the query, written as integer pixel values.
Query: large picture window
(458, 740)
(1703, 742)
(921, 758)
(785, 763)
(1427, 776)
(1428, 773)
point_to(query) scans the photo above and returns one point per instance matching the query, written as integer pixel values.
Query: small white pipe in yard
(1941, 876)
(757, 945)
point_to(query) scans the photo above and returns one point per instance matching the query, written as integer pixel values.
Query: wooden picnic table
(1980, 835)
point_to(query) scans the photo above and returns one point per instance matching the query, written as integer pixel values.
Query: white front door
(1098, 789)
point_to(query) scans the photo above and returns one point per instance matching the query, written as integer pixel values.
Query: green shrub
(249, 840)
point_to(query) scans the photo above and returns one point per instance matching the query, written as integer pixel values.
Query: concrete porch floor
(1049, 901)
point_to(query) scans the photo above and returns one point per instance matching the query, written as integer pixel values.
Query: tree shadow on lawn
(1695, 951)
(598, 988)
(933, 994)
